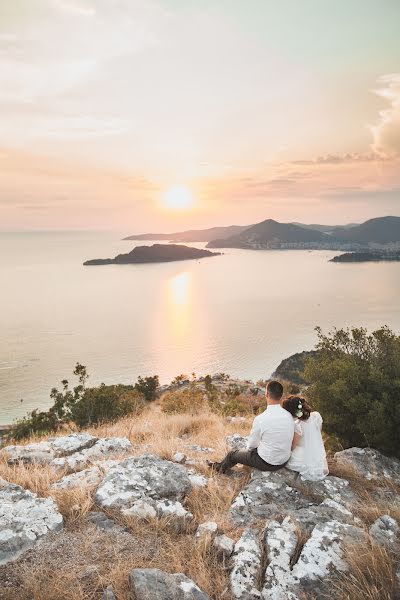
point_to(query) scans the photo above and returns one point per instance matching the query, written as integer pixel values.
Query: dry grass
(80, 562)
(371, 576)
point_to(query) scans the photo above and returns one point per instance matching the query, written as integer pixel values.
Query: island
(368, 256)
(154, 254)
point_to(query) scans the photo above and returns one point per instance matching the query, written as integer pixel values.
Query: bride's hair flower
(299, 412)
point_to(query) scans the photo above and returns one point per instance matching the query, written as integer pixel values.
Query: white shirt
(272, 434)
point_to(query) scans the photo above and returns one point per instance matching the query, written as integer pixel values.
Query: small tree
(355, 384)
(148, 386)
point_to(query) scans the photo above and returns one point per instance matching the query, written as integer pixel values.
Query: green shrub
(106, 403)
(148, 386)
(355, 384)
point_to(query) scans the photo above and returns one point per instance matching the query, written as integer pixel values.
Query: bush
(186, 401)
(85, 406)
(106, 403)
(355, 383)
(148, 386)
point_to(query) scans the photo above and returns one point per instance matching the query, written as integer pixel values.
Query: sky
(259, 109)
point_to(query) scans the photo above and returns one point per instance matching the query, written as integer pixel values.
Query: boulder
(280, 540)
(102, 522)
(270, 495)
(384, 530)
(246, 561)
(197, 479)
(103, 449)
(370, 464)
(145, 486)
(45, 452)
(223, 545)
(179, 457)
(236, 441)
(108, 594)
(321, 557)
(24, 519)
(207, 529)
(87, 478)
(154, 584)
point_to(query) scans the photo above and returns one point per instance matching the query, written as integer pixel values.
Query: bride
(308, 452)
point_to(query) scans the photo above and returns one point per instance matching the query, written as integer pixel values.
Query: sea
(240, 313)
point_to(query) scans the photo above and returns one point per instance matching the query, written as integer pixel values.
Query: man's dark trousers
(250, 458)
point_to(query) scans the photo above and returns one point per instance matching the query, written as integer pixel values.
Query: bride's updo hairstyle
(298, 407)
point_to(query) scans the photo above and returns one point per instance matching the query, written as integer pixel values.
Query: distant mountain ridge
(273, 234)
(192, 235)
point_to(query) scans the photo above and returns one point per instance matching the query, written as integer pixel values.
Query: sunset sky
(257, 108)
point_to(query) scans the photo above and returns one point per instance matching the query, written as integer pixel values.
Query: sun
(178, 197)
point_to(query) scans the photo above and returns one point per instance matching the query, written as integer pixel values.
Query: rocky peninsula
(154, 254)
(368, 256)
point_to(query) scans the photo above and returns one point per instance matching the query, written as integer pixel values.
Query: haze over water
(242, 312)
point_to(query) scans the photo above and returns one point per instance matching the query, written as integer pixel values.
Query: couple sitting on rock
(286, 434)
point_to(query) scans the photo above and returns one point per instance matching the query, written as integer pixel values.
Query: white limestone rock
(280, 542)
(24, 519)
(207, 529)
(197, 448)
(69, 444)
(236, 441)
(179, 458)
(154, 584)
(40, 453)
(223, 545)
(384, 531)
(197, 479)
(370, 463)
(145, 486)
(103, 449)
(246, 560)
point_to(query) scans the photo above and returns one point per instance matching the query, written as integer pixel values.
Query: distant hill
(270, 232)
(153, 254)
(324, 228)
(192, 235)
(367, 256)
(382, 230)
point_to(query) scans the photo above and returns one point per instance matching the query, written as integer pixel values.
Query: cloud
(340, 159)
(386, 134)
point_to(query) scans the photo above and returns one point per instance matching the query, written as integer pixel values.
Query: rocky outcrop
(384, 531)
(370, 463)
(24, 519)
(70, 453)
(145, 486)
(272, 494)
(153, 584)
(46, 452)
(246, 571)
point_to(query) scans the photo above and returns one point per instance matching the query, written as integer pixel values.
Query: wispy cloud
(386, 133)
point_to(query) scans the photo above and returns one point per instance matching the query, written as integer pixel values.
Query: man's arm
(254, 437)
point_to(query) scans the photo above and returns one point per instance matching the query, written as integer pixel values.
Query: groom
(270, 440)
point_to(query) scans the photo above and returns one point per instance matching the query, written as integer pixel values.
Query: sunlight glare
(178, 198)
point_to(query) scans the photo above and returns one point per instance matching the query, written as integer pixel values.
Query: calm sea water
(241, 313)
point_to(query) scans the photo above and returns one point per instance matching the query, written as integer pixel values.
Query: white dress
(309, 458)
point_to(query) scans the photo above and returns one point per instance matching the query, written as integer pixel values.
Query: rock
(140, 486)
(45, 452)
(101, 450)
(207, 529)
(179, 457)
(270, 495)
(69, 444)
(246, 560)
(173, 508)
(101, 521)
(196, 448)
(108, 594)
(196, 479)
(153, 584)
(384, 530)
(321, 557)
(41, 453)
(236, 441)
(24, 519)
(370, 464)
(280, 541)
(223, 545)
(86, 478)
